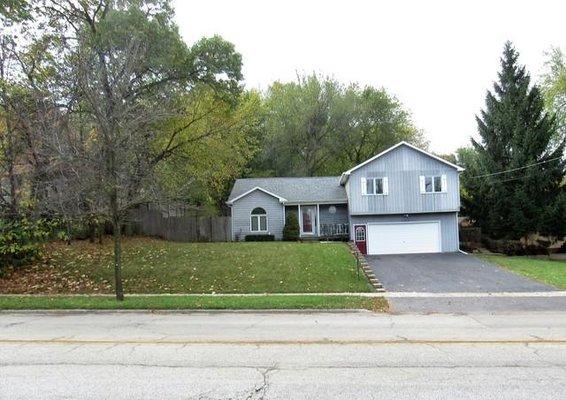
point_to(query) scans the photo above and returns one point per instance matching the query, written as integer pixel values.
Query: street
(340, 355)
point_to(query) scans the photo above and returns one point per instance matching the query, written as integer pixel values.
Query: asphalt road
(282, 356)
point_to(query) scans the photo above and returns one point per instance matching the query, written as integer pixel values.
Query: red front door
(360, 238)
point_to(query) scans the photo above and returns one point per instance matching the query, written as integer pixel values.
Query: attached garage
(404, 237)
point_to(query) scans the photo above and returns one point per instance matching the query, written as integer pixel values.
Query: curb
(368, 271)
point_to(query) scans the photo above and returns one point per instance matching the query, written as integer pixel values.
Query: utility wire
(515, 169)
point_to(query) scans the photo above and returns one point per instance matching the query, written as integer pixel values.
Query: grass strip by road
(322, 302)
(551, 272)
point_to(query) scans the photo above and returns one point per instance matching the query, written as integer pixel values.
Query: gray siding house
(403, 200)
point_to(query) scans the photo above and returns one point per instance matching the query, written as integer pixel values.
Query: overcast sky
(437, 57)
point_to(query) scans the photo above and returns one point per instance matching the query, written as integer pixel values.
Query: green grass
(192, 303)
(547, 271)
(156, 266)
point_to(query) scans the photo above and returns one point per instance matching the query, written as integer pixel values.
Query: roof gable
(345, 175)
(281, 199)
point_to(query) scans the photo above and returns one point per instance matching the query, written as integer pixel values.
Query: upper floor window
(375, 186)
(433, 184)
(258, 222)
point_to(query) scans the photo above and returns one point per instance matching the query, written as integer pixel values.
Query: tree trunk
(100, 232)
(118, 259)
(91, 232)
(69, 232)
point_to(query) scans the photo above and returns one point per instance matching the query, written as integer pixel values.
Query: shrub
(516, 247)
(469, 247)
(260, 238)
(20, 239)
(291, 229)
(504, 246)
(470, 234)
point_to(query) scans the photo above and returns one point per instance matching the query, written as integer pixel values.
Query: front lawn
(157, 266)
(547, 271)
(193, 303)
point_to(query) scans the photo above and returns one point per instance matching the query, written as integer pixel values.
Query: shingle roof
(294, 190)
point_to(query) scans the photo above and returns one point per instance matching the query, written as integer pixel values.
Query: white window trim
(317, 222)
(443, 184)
(384, 185)
(356, 226)
(258, 222)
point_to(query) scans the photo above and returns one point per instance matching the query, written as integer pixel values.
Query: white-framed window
(375, 186)
(433, 184)
(258, 220)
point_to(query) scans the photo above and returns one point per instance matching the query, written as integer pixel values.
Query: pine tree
(515, 133)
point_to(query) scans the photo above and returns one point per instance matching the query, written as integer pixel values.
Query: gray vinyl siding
(448, 225)
(241, 213)
(403, 166)
(339, 217)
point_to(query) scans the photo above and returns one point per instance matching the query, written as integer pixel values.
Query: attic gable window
(258, 220)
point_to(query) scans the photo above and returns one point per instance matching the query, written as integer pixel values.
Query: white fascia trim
(281, 199)
(365, 214)
(308, 203)
(345, 175)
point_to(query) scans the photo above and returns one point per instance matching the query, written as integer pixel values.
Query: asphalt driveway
(457, 273)
(447, 272)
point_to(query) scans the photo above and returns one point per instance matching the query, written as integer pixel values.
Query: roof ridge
(291, 177)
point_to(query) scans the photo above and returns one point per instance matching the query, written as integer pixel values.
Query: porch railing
(334, 230)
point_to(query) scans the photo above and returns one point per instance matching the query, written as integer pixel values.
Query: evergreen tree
(291, 228)
(515, 185)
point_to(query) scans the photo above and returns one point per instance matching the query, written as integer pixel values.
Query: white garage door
(406, 237)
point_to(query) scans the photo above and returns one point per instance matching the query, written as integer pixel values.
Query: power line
(515, 169)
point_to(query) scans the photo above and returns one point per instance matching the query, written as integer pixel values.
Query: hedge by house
(260, 238)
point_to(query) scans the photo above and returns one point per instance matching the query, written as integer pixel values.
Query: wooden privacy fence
(183, 228)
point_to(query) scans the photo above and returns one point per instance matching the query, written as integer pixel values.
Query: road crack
(259, 392)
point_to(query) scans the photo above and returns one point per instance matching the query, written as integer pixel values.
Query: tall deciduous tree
(127, 69)
(374, 121)
(223, 137)
(554, 89)
(14, 11)
(27, 115)
(300, 126)
(318, 126)
(513, 187)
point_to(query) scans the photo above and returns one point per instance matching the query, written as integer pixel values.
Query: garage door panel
(402, 238)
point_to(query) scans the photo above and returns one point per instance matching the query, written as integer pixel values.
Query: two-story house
(403, 200)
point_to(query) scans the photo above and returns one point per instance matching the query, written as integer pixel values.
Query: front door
(308, 219)
(360, 238)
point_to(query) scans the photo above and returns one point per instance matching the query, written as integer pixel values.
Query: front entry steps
(368, 271)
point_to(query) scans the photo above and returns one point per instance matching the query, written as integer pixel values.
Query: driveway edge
(368, 271)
